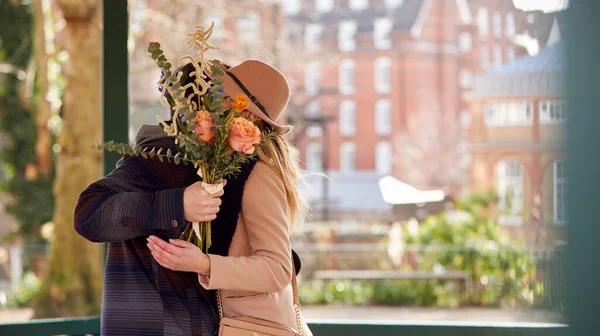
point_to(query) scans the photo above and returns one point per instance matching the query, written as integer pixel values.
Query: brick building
(392, 76)
(516, 143)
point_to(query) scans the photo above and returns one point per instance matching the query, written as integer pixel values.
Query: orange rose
(243, 135)
(203, 126)
(241, 103)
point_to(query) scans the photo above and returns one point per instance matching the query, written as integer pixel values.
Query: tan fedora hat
(266, 87)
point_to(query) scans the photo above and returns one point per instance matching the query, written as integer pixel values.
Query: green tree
(30, 189)
(73, 284)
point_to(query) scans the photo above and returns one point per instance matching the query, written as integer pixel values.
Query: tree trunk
(72, 286)
(41, 10)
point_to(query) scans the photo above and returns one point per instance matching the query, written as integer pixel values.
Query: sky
(545, 5)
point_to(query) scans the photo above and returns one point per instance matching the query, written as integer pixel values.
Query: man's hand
(199, 205)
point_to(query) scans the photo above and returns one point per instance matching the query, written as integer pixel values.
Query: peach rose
(243, 135)
(203, 126)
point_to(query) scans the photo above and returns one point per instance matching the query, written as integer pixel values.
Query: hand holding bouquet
(211, 130)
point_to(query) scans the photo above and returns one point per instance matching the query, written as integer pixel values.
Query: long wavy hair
(283, 157)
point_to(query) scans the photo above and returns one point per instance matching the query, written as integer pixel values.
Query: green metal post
(583, 138)
(115, 72)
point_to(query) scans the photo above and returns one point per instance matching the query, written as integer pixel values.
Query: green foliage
(33, 200)
(23, 296)
(501, 272)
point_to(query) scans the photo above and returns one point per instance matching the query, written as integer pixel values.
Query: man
(144, 197)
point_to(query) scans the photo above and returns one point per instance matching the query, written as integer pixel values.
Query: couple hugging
(158, 284)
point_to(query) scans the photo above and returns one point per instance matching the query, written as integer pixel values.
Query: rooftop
(539, 75)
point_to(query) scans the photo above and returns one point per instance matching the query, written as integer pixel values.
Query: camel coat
(255, 277)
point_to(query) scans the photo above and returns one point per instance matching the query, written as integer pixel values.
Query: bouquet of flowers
(211, 131)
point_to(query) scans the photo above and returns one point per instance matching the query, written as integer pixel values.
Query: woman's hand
(179, 255)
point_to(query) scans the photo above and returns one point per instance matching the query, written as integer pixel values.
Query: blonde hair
(283, 157)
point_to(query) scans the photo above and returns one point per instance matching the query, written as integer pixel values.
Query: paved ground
(383, 313)
(427, 314)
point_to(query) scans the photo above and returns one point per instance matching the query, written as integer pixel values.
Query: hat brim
(232, 90)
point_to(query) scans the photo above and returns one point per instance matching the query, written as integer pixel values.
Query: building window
(358, 5)
(382, 33)
(393, 3)
(510, 191)
(346, 32)
(312, 35)
(483, 21)
(497, 25)
(312, 77)
(313, 111)
(484, 53)
(497, 55)
(348, 157)
(560, 191)
(553, 111)
(465, 79)
(248, 28)
(383, 158)
(465, 42)
(465, 119)
(314, 157)
(217, 33)
(323, 6)
(513, 113)
(383, 74)
(347, 117)
(383, 117)
(510, 25)
(510, 53)
(346, 76)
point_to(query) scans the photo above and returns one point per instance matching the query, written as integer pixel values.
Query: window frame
(546, 118)
(389, 164)
(382, 127)
(483, 22)
(508, 121)
(312, 78)
(312, 37)
(347, 118)
(347, 35)
(358, 5)
(515, 217)
(563, 184)
(381, 63)
(382, 33)
(311, 149)
(348, 147)
(313, 110)
(347, 74)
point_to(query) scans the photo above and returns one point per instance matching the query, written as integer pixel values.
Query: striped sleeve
(125, 204)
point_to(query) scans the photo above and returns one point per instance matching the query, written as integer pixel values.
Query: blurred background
(431, 132)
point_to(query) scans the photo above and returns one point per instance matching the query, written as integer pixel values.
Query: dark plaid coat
(141, 198)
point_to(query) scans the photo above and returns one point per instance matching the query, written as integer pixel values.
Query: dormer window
(393, 3)
(381, 33)
(359, 5)
(346, 32)
(323, 6)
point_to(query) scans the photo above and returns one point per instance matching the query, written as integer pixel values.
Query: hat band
(247, 92)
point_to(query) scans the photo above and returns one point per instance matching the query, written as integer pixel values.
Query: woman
(252, 266)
